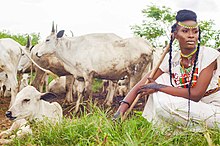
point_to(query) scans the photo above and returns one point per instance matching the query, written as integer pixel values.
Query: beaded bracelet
(122, 101)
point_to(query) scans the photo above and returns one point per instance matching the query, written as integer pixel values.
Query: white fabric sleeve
(209, 56)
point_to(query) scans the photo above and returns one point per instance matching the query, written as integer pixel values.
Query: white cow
(85, 57)
(23, 83)
(58, 86)
(25, 62)
(30, 105)
(24, 80)
(58, 68)
(9, 59)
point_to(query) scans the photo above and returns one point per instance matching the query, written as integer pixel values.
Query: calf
(30, 105)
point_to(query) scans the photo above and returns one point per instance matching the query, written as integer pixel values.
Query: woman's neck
(187, 62)
(188, 53)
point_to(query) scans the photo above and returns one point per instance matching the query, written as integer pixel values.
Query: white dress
(162, 107)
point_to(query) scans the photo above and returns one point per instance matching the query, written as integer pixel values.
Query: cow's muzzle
(8, 114)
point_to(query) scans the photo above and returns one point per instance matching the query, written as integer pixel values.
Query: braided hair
(173, 28)
(181, 16)
(194, 65)
(193, 71)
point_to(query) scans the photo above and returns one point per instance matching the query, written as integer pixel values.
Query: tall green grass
(96, 128)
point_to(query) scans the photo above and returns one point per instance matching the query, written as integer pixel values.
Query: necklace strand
(189, 55)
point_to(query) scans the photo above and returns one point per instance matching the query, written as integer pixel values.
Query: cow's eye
(47, 40)
(26, 100)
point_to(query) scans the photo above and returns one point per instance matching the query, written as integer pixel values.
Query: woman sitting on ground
(185, 87)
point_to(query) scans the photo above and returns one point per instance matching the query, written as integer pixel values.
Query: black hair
(173, 28)
(193, 71)
(170, 59)
(184, 15)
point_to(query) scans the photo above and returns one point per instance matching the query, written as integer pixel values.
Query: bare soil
(68, 110)
(4, 122)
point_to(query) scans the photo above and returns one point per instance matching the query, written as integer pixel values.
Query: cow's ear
(60, 34)
(49, 96)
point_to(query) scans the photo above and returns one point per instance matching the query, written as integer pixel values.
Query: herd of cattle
(77, 61)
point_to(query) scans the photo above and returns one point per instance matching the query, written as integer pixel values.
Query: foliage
(20, 38)
(97, 85)
(96, 128)
(210, 36)
(157, 25)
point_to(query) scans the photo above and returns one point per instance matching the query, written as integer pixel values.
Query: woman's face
(187, 37)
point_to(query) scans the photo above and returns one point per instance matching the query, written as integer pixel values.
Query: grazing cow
(85, 57)
(10, 55)
(30, 105)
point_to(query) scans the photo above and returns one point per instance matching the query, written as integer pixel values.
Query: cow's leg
(111, 89)
(105, 86)
(88, 85)
(69, 88)
(43, 82)
(19, 76)
(37, 82)
(13, 84)
(80, 86)
(14, 126)
(46, 82)
(19, 124)
(3, 90)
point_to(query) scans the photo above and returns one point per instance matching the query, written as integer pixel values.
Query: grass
(97, 85)
(97, 128)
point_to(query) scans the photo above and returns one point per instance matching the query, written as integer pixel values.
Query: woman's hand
(148, 88)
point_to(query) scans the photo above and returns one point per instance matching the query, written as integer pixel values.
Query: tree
(20, 38)
(156, 28)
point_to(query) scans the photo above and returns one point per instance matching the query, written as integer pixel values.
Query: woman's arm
(196, 93)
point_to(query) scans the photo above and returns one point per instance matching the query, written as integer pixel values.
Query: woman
(185, 89)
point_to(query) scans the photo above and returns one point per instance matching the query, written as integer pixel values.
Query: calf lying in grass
(30, 105)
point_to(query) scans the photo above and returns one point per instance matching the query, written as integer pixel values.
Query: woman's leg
(164, 107)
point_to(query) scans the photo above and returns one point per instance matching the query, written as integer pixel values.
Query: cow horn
(28, 42)
(53, 29)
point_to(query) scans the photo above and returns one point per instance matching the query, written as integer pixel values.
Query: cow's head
(50, 44)
(25, 62)
(27, 104)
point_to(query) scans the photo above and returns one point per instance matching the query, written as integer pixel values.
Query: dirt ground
(98, 99)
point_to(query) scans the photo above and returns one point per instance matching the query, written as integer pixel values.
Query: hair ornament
(187, 26)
